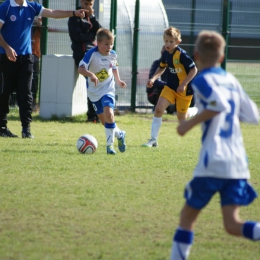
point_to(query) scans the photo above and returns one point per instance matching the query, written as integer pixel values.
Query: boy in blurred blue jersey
(222, 166)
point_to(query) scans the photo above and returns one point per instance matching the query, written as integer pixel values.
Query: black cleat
(27, 134)
(5, 132)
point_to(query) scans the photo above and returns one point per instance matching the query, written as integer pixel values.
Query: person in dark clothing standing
(154, 92)
(82, 32)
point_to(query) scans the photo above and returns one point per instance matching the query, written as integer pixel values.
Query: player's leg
(234, 226)
(183, 238)
(109, 129)
(182, 106)
(198, 193)
(165, 99)
(238, 192)
(108, 103)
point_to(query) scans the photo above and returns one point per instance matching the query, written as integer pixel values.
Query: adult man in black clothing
(82, 33)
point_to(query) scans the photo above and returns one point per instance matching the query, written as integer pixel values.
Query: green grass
(59, 204)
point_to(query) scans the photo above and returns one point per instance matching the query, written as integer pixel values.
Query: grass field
(57, 204)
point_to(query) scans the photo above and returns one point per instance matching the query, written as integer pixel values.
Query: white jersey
(102, 67)
(223, 154)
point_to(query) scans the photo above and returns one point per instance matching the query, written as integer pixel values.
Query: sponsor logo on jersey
(102, 75)
(13, 18)
(175, 71)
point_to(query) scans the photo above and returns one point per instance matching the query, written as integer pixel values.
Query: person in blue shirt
(16, 59)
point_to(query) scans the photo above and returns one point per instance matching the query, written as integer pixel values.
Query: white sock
(256, 235)
(182, 243)
(117, 132)
(192, 111)
(156, 124)
(110, 134)
(180, 251)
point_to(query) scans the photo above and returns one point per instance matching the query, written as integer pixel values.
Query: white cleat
(151, 143)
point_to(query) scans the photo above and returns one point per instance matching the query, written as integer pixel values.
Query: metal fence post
(135, 56)
(225, 32)
(113, 19)
(44, 31)
(44, 39)
(192, 26)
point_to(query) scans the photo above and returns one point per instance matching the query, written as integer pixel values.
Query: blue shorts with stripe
(200, 190)
(105, 101)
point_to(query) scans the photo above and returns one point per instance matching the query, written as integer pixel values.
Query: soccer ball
(87, 144)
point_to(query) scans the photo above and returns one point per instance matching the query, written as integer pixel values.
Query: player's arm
(62, 13)
(10, 52)
(119, 82)
(186, 126)
(89, 74)
(156, 75)
(187, 80)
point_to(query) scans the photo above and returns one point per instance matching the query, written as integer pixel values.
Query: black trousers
(16, 76)
(35, 79)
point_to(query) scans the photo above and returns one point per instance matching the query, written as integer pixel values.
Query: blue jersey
(223, 154)
(179, 64)
(17, 22)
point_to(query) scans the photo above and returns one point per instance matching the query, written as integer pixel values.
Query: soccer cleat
(27, 134)
(93, 120)
(151, 143)
(110, 149)
(5, 132)
(121, 142)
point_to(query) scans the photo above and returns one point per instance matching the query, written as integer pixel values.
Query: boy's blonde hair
(210, 46)
(172, 32)
(104, 34)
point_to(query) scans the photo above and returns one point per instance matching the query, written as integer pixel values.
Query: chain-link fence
(190, 16)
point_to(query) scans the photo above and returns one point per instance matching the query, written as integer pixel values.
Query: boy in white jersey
(100, 68)
(222, 165)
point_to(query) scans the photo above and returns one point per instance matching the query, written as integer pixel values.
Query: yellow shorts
(182, 101)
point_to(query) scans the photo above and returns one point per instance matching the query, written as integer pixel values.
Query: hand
(149, 83)
(81, 12)
(94, 79)
(37, 21)
(90, 11)
(121, 84)
(182, 128)
(180, 89)
(10, 53)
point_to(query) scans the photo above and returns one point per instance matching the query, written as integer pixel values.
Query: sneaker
(151, 143)
(27, 134)
(121, 142)
(5, 132)
(94, 120)
(110, 149)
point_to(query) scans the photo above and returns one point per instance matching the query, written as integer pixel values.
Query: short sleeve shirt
(102, 66)
(179, 64)
(17, 23)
